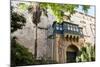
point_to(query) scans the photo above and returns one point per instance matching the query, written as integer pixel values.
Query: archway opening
(71, 53)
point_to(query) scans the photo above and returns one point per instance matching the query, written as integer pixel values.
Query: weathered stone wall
(46, 47)
(26, 36)
(88, 24)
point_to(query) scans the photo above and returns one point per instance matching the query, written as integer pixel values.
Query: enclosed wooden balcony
(67, 28)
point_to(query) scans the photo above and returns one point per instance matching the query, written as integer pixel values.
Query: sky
(91, 11)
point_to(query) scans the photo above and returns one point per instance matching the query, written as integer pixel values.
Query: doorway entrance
(71, 54)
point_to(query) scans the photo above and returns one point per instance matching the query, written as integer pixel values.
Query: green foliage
(87, 53)
(22, 7)
(85, 8)
(17, 21)
(57, 9)
(20, 55)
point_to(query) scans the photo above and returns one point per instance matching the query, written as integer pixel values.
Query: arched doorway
(71, 53)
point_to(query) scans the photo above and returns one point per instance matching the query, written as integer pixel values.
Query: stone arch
(71, 53)
(67, 37)
(77, 38)
(72, 47)
(74, 38)
(70, 38)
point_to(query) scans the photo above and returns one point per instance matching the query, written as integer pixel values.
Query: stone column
(56, 57)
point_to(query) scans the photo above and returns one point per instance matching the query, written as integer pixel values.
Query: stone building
(59, 42)
(70, 36)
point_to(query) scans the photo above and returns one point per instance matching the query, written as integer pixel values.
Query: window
(92, 27)
(75, 28)
(90, 19)
(83, 22)
(71, 27)
(83, 17)
(57, 28)
(68, 27)
(81, 31)
(92, 24)
(85, 31)
(60, 28)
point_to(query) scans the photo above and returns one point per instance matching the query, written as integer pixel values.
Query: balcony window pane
(71, 27)
(57, 28)
(77, 30)
(60, 28)
(68, 27)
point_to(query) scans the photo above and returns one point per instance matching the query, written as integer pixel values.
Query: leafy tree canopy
(57, 9)
(17, 21)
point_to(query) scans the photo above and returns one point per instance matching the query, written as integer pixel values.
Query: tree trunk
(35, 54)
